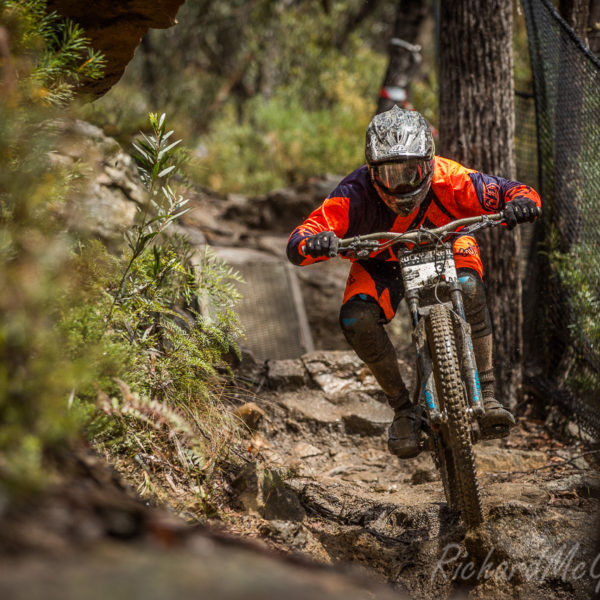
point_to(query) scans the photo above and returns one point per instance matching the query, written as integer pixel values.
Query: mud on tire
(456, 435)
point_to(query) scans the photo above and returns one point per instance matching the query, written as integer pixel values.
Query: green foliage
(78, 324)
(293, 135)
(280, 144)
(60, 55)
(164, 321)
(271, 92)
(579, 272)
(37, 378)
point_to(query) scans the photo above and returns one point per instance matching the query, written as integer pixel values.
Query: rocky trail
(323, 484)
(319, 508)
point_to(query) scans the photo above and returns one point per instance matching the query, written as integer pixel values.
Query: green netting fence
(564, 326)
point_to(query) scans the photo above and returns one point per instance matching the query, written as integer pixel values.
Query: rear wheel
(458, 452)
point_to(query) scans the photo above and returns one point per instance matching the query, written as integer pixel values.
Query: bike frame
(426, 249)
(448, 279)
(446, 364)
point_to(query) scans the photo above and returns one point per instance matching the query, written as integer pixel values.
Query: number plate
(423, 269)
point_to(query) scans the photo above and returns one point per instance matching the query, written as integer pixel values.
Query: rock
(306, 450)
(310, 405)
(116, 29)
(250, 414)
(291, 533)
(423, 476)
(198, 564)
(108, 202)
(286, 374)
(281, 210)
(339, 374)
(264, 492)
(532, 539)
(362, 415)
(528, 494)
(361, 425)
(281, 502)
(247, 489)
(495, 458)
(586, 485)
(273, 244)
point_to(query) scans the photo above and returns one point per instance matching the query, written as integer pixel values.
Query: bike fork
(424, 360)
(468, 354)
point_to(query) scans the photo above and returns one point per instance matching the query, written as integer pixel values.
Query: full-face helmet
(399, 150)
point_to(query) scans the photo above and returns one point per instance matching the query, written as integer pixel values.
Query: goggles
(402, 177)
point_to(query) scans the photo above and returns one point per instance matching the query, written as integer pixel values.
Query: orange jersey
(354, 207)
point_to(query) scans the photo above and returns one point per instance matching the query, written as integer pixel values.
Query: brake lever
(358, 248)
(485, 222)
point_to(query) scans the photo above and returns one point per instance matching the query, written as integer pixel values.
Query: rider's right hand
(325, 243)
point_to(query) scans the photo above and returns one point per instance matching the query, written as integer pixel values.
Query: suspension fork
(468, 354)
(424, 361)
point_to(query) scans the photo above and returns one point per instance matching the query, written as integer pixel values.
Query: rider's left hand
(520, 210)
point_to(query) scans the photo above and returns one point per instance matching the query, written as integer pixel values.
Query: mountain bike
(447, 385)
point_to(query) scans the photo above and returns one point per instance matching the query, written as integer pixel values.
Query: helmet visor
(402, 177)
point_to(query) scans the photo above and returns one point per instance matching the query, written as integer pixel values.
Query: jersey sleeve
(332, 215)
(494, 192)
(468, 193)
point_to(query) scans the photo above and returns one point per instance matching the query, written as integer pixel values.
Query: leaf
(182, 212)
(148, 237)
(166, 171)
(167, 149)
(141, 151)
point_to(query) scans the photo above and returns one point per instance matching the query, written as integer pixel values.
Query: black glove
(520, 210)
(325, 243)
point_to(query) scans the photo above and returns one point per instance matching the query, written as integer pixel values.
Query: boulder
(116, 28)
(360, 415)
(108, 201)
(340, 374)
(286, 374)
(281, 210)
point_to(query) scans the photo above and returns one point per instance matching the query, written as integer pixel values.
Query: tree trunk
(594, 27)
(576, 14)
(405, 55)
(477, 130)
(584, 17)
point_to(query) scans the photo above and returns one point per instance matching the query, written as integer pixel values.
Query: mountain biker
(402, 186)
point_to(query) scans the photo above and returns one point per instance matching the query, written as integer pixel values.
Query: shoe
(496, 420)
(405, 432)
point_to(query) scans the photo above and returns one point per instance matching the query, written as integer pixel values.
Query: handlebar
(365, 244)
(421, 234)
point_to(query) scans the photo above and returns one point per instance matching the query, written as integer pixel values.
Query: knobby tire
(458, 454)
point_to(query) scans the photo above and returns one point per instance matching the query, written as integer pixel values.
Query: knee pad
(362, 324)
(476, 310)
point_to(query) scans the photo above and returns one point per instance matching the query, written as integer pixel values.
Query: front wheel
(456, 434)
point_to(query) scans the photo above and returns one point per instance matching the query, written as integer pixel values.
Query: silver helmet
(400, 154)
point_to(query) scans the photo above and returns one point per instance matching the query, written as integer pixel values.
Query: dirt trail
(322, 483)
